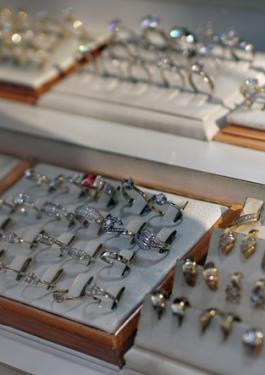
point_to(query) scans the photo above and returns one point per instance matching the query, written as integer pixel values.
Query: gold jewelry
(248, 244)
(247, 219)
(207, 316)
(227, 241)
(234, 288)
(257, 297)
(250, 89)
(179, 307)
(159, 300)
(211, 275)
(226, 324)
(252, 341)
(190, 271)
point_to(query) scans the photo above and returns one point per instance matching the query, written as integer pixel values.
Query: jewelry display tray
(100, 333)
(183, 349)
(168, 110)
(28, 84)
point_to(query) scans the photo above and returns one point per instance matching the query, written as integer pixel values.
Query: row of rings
(95, 186)
(233, 289)
(252, 339)
(60, 295)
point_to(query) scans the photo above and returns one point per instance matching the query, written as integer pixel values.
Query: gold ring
(249, 89)
(207, 316)
(248, 244)
(211, 275)
(227, 241)
(190, 271)
(257, 297)
(252, 341)
(159, 300)
(233, 290)
(179, 307)
(226, 324)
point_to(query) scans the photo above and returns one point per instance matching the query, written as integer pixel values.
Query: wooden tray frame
(242, 136)
(80, 337)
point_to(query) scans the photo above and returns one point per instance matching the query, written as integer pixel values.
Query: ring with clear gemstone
(197, 69)
(249, 90)
(111, 257)
(13, 238)
(58, 212)
(22, 202)
(253, 340)
(129, 185)
(146, 239)
(160, 199)
(52, 184)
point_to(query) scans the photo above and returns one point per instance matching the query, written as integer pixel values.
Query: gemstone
(150, 21)
(257, 297)
(52, 209)
(160, 199)
(88, 214)
(21, 199)
(197, 67)
(127, 183)
(253, 339)
(29, 173)
(10, 237)
(30, 277)
(88, 180)
(114, 24)
(146, 239)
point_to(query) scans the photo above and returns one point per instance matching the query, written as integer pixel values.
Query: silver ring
(111, 257)
(146, 239)
(151, 29)
(168, 66)
(57, 212)
(120, 32)
(249, 89)
(22, 202)
(135, 64)
(160, 199)
(13, 238)
(55, 184)
(33, 279)
(198, 70)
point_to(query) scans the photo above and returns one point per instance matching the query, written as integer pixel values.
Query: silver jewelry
(33, 279)
(197, 69)
(160, 199)
(13, 238)
(52, 184)
(153, 34)
(58, 212)
(249, 89)
(111, 257)
(22, 202)
(146, 239)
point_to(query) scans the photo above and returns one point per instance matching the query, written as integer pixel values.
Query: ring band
(179, 307)
(198, 69)
(211, 275)
(190, 271)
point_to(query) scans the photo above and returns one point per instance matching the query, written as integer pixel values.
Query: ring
(13, 238)
(233, 290)
(257, 297)
(211, 275)
(22, 201)
(159, 301)
(133, 66)
(160, 199)
(19, 272)
(190, 271)
(128, 185)
(58, 183)
(184, 41)
(250, 89)
(98, 186)
(252, 341)
(226, 324)
(247, 219)
(65, 249)
(179, 307)
(110, 257)
(58, 212)
(198, 70)
(207, 316)
(227, 241)
(248, 244)
(91, 291)
(145, 239)
(166, 65)
(152, 32)
(33, 279)
(117, 28)
(4, 203)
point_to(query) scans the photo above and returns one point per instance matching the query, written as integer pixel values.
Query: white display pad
(186, 344)
(164, 109)
(7, 163)
(253, 118)
(64, 57)
(147, 270)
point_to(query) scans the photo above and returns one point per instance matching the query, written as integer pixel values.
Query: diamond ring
(197, 69)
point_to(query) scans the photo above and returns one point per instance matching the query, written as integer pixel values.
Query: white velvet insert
(7, 163)
(147, 269)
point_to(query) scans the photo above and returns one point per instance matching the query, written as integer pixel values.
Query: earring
(158, 300)
(190, 271)
(234, 288)
(211, 275)
(257, 297)
(179, 307)
(248, 245)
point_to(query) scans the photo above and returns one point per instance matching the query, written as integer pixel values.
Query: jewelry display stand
(109, 333)
(168, 110)
(27, 84)
(11, 169)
